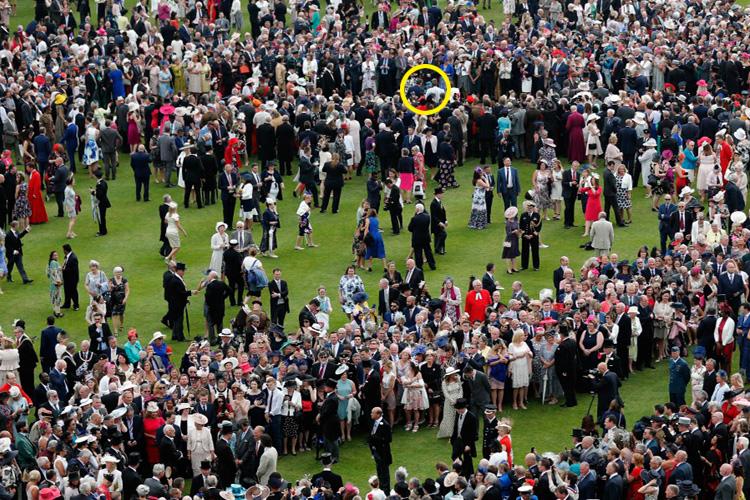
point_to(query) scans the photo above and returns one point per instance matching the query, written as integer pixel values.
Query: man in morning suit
(464, 437)
(607, 387)
(419, 227)
(379, 441)
(732, 286)
(225, 457)
(14, 251)
(192, 172)
(328, 420)
(438, 221)
(489, 195)
(570, 193)
(227, 184)
(279, 291)
(177, 294)
(414, 276)
(71, 276)
(100, 192)
(335, 481)
(613, 485)
(508, 185)
(566, 365)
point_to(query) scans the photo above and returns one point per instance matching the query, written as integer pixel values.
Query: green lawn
(133, 244)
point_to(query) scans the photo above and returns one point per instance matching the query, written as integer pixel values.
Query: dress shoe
(26, 282)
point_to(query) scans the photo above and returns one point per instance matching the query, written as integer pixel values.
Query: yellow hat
(61, 98)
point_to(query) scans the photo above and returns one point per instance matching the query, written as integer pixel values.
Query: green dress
(54, 274)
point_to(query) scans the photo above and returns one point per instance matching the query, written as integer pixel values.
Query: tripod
(591, 403)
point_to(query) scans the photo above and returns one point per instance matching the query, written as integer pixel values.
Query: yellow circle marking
(446, 98)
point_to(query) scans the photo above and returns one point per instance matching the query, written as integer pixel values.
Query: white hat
(127, 386)
(14, 391)
(738, 217)
(109, 459)
(183, 406)
(633, 310)
(450, 479)
(511, 212)
(549, 142)
(232, 361)
(226, 332)
(740, 134)
(451, 371)
(651, 143)
(118, 412)
(686, 190)
(640, 118)
(343, 368)
(152, 407)
(719, 197)
(592, 117)
(221, 223)
(86, 402)
(157, 336)
(525, 488)
(200, 419)
(88, 438)
(133, 106)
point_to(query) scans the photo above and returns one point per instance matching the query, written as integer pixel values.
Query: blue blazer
(70, 137)
(502, 182)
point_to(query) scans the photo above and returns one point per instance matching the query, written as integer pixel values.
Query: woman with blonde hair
(498, 371)
(32, 480)
(520, 368)
(452, 391)
(388, 390)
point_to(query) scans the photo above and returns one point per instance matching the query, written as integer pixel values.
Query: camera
(593, 373)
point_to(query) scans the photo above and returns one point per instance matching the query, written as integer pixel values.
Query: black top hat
(608, 344)
(180, 266)
(439, 190)
(205, 464)
(134, 458)
(577, 433)
(461, 403)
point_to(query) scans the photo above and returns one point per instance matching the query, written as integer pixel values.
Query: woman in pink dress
(134, 135)
(576, 145)
(593, 202)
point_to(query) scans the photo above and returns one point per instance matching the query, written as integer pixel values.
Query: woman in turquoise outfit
(345, 392)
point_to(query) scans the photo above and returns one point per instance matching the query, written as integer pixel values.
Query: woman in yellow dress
(205, 76)
(178, 72)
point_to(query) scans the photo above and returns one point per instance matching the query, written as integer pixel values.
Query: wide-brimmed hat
(200, 419)
(450, 479)
(686, 190)
(511, 212)
(451, 371)
(738, 217)
(152, 407)
(651, 143)
(118, 412)
(342, 369)
(219, 224)
(232, 361)
(157, 336)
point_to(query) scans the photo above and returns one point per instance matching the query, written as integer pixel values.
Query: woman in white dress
(219, 243)
(706, 161)
(520, 368)
(172, 219)
(200, 445)
(69, 205)
(736, 173)
(697, 372)
(593, 144)
(91, 150)
(452, 391)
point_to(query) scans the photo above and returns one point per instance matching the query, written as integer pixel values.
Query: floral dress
(350, 286)
(22, 209)
(478, 217)
(54, 274)
(542, 190)
(371, 160)
(623, 200)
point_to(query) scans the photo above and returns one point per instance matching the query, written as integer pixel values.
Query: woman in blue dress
(117, 79)
(375, 248)
(345, 392)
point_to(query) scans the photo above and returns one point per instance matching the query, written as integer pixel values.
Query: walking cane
(544, 386)
(187, 318)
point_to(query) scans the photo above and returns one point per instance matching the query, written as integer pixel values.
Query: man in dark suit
(379, 441)
(370, 389)
(587, 482)
(70, 274)
(168, 452)
(559, 274)
(215, 304)
(199, 481)
(728, 485)
(14, 251)
(192, 172)
(140, 162)
(464, 437)
(328, 419)
(99, 333)
(324, 369)
(607, 386)
(308, 313)
(47, 344)
(379, 19)
(681, 221)
(414, 276)
(438, 221)
(279, 300)
(335, 481)
(489, 195)
(566, 366)
(177, 294)
(508, 185)
(665, 212)
(100, 192)
(570, 193)
(385, 149)
(623, 321)
(731, 285)
(627, 141)
(225, 457)
(386, 296)
(477, 384)
(489, 282)
(744, 456)
(130, 476)
(206, 409)
(419, 227)
(394, 207)
(613, 486)
(228, 183)
(609, 189)
(244, 448)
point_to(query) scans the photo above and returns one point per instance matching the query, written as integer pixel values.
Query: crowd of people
(599, 95)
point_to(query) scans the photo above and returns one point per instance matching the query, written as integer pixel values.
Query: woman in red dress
(635, 482)
(506, 445)
(593, 194)
(151, 424)
(36, 199)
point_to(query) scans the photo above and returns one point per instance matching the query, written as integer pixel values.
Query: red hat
(470, 99)
(670, 87)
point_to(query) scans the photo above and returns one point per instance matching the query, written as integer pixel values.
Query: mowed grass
(133, 244)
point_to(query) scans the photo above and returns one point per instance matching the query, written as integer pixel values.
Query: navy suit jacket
(502, 182)
(731, 288)
(224, 184)
(48, 343)
(58, 382)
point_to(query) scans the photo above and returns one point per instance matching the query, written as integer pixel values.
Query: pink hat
(702, 83)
